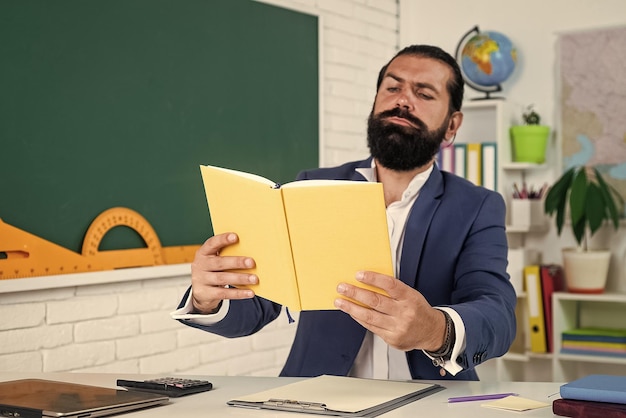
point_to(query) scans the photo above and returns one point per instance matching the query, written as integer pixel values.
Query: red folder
(551, 281)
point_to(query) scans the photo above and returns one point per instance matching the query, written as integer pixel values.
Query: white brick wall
(359, 37)
(124, 327)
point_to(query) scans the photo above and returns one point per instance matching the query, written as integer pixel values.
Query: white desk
(213, 403)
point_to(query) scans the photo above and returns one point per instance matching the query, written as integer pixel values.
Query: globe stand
(488, 90)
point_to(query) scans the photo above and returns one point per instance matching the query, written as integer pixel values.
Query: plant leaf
(610, 196)
(577, 196)
(595, 207)
(556, 198)
(579, 230)
(558, 192)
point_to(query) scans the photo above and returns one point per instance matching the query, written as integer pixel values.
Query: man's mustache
(404, 114)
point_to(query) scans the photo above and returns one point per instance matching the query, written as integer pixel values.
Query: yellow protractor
(113, 259)
(23, 254)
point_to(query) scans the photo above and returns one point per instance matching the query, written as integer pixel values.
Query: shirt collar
(414, 186)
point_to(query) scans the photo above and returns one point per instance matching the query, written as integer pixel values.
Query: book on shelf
(594, 341)
(473, 165)
(536, 314)
(475, 161)
(305, 236)
(460, 158)
(595, 334)
(596, 388)
(446, 158)
(587, 409)
(593, 349)
(552, 280)
(489, 157)
(541, 281)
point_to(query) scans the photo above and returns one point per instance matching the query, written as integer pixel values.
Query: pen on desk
(480, 397)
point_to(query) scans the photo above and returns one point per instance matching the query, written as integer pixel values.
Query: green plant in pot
(529, 141)
(591, 203)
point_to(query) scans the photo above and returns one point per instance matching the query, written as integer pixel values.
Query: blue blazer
(454, 253)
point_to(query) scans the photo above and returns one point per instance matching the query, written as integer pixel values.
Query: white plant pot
(586, 271)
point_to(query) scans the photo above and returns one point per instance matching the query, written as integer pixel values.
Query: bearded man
(450, 306)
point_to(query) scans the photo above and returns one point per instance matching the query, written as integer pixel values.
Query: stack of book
(476, 161)
(594, 341)
(593, 396)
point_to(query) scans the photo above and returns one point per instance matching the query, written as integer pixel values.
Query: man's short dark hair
(455, 85)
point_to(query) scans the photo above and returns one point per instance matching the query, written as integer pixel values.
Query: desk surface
(213, 403)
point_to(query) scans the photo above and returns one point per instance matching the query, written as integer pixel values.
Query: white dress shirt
(375, 358)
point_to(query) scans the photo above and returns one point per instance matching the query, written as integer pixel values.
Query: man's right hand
(212, 279)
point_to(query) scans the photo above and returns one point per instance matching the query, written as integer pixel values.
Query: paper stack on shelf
(594, 341)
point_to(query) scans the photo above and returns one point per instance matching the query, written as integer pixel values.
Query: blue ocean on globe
(488, 58)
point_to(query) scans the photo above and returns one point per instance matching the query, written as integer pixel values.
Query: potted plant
(529, 140)
(591, 202)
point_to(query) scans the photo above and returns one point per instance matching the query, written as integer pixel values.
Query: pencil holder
(527, 213)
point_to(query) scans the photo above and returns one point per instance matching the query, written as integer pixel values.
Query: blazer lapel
(362, 164)
(417, 226)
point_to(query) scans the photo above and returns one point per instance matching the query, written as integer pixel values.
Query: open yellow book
(305, 236)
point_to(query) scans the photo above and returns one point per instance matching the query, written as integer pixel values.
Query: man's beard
(402, 148)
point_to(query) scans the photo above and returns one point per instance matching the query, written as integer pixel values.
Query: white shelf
(489, 121)
(514, 166)
(591, 359)
(602, 297)
(543, 356)
(510, 356)
(524, 230)
(28, 284)
(577, 310)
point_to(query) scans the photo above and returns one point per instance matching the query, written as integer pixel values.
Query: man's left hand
(404, 319)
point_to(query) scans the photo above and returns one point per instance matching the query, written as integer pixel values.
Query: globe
(486, 59)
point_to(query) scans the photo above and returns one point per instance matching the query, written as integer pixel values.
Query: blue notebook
(596, 387)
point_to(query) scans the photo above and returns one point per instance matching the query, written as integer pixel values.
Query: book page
(249, 206)
(336, 230)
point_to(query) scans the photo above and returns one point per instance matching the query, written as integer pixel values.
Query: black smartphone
(170, 386)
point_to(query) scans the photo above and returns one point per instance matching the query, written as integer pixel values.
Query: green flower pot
(528, 143)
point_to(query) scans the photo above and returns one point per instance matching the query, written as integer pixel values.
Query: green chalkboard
(108, 103)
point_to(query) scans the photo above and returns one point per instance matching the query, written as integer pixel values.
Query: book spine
(489, 165)
(474, 163)
(587, 409)
(596, 338)
(536, 316)
(460, 160)
(589, 352)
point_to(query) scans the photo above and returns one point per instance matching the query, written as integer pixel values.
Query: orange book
(305, 236)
